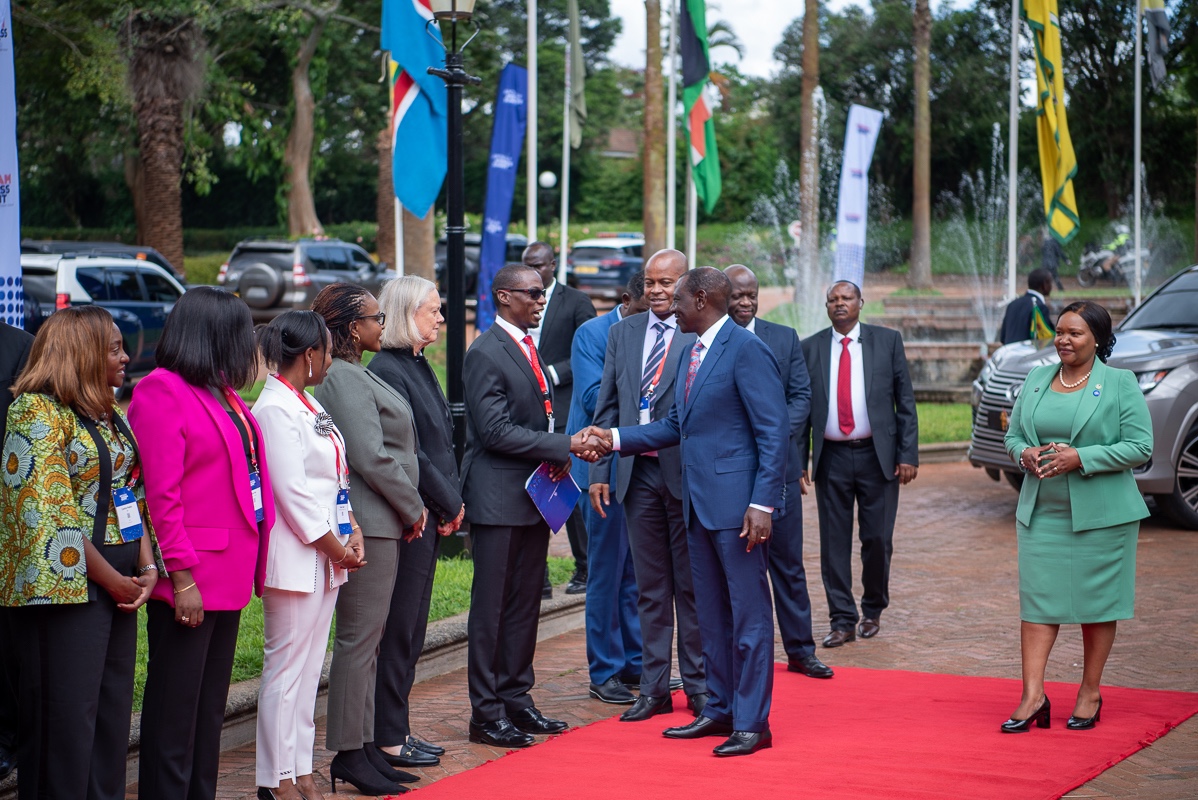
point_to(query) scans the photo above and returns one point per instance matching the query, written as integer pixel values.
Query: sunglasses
(380, 318)
(533, 294)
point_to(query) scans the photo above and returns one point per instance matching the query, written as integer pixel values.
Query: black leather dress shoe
(697, 702)
(631, 681)
(428, 747)
(810, 666)
(8, 761)
(612, 691)
(410, 757)
(500, 733)
(530, 720)
(702, 726)
(577, 584)
(743, 743)
(647, 707)
(868, 628)
(837, 638)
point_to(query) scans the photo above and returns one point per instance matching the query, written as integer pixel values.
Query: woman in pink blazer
(208, 490)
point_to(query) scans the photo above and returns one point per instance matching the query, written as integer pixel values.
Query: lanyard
(135, 473)
(534, 362)
(333, 435)
(231, 397)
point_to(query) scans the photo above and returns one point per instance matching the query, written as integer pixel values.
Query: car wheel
(260, 286)
(994, 474)
(1015, 479)
(1182, 505)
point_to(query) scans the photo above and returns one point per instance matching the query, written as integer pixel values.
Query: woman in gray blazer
(380, 443)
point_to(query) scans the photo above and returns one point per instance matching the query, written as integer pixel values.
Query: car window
(317, 259)
(338, 257)
(123, 285)
(158, 288)
(515, 252)
(360, 259)
(636, 250)
(1186, 283)
(594, 253)
(279, 259)
(92, 281)
(1170, 309)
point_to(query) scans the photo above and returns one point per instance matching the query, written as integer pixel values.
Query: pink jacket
(198, 490)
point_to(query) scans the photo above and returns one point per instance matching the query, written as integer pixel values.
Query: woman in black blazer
(413, 308)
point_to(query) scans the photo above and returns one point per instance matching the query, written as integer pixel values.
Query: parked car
(139, 295)
(516, 243)
(276, 276)
(1159, 343)
(602, 266)
(62, 247)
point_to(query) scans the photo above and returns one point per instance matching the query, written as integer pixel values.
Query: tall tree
(654, 148)
(809, 142)
(920, 276)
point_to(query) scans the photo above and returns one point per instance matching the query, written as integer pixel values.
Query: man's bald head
(662, 272)
(742, 303)
(539, 256)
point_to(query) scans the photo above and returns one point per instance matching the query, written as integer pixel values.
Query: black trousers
(9, 677)
(505, 607)
(576, 532)
(792, 603)
(403, 636)
(76, 694)
(849, 474)
(183, 710)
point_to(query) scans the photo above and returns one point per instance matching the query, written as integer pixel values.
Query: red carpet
(870, 734)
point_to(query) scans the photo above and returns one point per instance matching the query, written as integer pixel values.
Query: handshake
(591, 443)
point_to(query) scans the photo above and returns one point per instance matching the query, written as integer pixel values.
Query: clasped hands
(1044, 464)
(591, 443)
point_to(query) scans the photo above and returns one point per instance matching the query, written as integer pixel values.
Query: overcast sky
(758, 23)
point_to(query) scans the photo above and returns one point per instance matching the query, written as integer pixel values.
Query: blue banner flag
(507, 140)
(419, 103)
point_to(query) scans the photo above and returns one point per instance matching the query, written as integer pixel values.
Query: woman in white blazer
(314, 544)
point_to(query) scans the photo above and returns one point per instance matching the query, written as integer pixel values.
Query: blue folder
(555, 500)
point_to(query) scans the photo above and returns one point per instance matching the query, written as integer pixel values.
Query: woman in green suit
(1077, 431)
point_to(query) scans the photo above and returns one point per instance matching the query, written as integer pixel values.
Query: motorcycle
(1122, 269)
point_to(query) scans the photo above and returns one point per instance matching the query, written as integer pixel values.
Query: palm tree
(166, 71)
(920, 276)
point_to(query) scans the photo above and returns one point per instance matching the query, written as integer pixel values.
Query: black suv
(62, 247)
(514, 251)
(276, 276)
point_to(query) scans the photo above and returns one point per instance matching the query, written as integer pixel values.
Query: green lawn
(451, 595)
(944, 422)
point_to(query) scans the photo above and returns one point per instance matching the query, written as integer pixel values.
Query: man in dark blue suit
(729, 416)
(612, 625)
(792, 603)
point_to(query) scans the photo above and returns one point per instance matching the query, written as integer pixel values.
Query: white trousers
(297, 636)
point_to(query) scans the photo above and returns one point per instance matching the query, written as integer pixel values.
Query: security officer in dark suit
(1019, 320)
(511, 430)
(792, 604)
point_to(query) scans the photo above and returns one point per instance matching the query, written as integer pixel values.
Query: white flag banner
(860, 136)
(12, 307)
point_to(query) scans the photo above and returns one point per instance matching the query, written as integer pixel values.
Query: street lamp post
(455, 77)
(547, 180)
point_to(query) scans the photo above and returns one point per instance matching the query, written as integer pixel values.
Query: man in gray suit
(865, 443)
(639, 370)
(511, 428)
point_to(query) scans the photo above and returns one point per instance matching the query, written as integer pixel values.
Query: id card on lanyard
(324, 426)
(647, 400)
(124, 503)
(255, 477)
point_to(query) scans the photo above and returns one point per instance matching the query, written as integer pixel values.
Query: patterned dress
(50, 479)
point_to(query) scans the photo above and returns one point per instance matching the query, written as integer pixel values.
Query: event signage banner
(507, 140)
(12, 308)
(860, 136)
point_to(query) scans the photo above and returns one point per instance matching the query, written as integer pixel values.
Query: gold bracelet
(185, 588)
(344, 553)
(356, 528)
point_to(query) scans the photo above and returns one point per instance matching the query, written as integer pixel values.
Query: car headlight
(1149, 380)
(987, 370)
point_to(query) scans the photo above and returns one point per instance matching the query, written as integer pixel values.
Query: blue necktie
(656, 356)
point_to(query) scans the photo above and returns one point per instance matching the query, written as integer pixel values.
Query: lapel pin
(1096, 393)
(1099, 386)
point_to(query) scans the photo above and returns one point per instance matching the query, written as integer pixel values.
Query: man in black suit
(566, 309)
(639, 372)
(1019, 321)
(511, 429)
(865, 442)
(792, 604)
(14, 351)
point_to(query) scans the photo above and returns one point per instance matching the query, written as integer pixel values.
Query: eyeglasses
(380, 318)
(533, 294)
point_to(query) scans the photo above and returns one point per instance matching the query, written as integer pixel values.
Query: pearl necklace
(1061, 377)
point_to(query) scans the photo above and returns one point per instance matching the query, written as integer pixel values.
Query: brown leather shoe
(868, 628)
(837, 638)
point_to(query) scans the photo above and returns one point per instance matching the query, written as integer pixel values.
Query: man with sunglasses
(511, 428)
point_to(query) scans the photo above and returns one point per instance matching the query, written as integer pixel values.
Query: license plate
(1000, 420)
(582, 270)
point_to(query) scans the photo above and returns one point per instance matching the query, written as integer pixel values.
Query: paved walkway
(954, 609)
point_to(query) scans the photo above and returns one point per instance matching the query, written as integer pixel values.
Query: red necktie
(844, 390)
(535, 363)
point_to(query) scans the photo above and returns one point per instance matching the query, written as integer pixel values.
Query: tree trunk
(920, 276)
(654, 154)
(419, 244)
(384, 207)
(809, 146)
(160, 142)
(136, 182)
(297, 154)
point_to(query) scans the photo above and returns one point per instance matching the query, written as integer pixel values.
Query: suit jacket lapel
(819, 370)
(1091, 395)
(868, 359)
(635, 336)
(1026, 416)
(553, 311)
(517, 354)
(234, 447)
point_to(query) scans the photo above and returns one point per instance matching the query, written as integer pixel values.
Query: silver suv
(1159, 343)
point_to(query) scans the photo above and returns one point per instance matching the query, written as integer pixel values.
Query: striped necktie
(656, 356)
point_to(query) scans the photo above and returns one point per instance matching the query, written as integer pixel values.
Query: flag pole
(530, 168)
(1013, 152)
(672, 132)
(563, 251)
(396, 208)
(1136, 148)
(692, 217)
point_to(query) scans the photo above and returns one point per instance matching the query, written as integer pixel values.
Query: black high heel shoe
(1084, 724)
(351, 766)
(265, 794)
(1042, 717)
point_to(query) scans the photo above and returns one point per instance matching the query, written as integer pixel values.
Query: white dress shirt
(752, 326)
(671, 323)
(862, 429)
(514, 332)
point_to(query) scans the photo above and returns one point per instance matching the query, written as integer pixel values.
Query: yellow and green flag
(1058, 163)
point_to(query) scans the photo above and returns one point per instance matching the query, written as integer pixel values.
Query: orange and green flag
(696, 69)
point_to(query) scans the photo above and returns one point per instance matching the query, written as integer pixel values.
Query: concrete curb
(943, 453)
